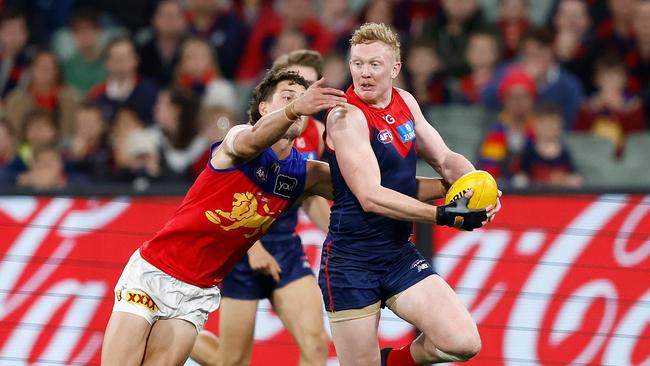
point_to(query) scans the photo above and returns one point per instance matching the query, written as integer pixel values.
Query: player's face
(285, 93)
(373, 68)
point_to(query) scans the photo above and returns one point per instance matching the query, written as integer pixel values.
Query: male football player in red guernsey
(276, 267)
(368, 261)
(168, 287)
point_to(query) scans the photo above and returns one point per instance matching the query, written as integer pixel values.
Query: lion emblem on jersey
(243, 215)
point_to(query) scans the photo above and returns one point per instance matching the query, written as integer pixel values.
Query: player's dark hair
(265, 89)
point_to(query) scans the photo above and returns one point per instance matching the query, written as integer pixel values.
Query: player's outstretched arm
(271, 127)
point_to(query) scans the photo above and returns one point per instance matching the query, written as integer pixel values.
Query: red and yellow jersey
(223, 214)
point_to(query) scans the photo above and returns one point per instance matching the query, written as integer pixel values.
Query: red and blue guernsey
(368, 258)
(223, 214)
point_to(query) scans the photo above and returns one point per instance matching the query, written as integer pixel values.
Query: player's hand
(457, 214)
(492, 210)
(262, 261)
(318, 98)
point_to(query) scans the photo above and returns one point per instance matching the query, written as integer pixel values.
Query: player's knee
(459, 350)
(316, 343)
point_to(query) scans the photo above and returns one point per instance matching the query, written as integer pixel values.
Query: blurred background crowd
(539, 93)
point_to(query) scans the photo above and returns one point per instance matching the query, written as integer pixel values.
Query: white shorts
(146, 291)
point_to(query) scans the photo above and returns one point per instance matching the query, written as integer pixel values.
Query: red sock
(401, 357)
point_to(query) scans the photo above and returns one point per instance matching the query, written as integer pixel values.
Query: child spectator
(44, 91)
(86, 67)
(482, 55)
(611, 112)
(10, 164)
(198, 72)
(15, 55)
(88, 153)
(176, 113)
(546, 161)
(126, 122)
(423, 74)
(46, 171)
(37, 130)
(215, 122)
(513, 23)
(500, 152)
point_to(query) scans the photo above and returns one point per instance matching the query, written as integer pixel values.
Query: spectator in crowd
(44, 91)
(513, 23)
(611, 112)
(336, 71)
(38, 129)
(638, 57)
(86, 67)
(159, 56)
(338, 19)
(198, 72)
(14, 52)
(574, 45)
(123, 85)
(214, 124)
(218, 24)
(126, 122)
(617, 30)
(9, 161)
(88, 152)
(500, 152)
(546, 161)
(141, 162)
(482, 55)
(46, 172)
(292, 15)
(449, 31)
(176, 114)
(423, 74)
(288, 41)
(554, 84)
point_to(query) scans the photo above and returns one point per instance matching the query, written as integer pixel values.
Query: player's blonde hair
(373, 32)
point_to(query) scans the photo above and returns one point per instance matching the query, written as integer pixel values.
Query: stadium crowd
(99, 91)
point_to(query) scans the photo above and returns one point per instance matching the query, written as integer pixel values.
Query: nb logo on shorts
(141, 299)
(420, 265)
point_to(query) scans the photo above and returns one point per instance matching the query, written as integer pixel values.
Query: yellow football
(484, 185)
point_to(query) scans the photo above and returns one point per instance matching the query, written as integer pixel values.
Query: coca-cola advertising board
(555, 280)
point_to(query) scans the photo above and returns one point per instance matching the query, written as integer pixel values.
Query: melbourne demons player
(276, 266)
(367, 260)
(169, 285)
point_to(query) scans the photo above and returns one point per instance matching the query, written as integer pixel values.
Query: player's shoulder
(408, 98)
(348, 111)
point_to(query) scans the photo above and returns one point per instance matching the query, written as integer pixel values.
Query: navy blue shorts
(350, 281)
(246, 284)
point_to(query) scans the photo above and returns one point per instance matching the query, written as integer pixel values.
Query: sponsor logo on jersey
(385, 136)
(244, 214)
(276, 168)
(284, 185)
(406, 131)
(141, 299)
(309, 155)
(389, 119)
(260, 174)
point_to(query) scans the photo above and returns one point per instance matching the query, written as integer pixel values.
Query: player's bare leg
(125, 339)
(170, 342)
(356, 341)
(299, 306)
(236, 330)
(448, 330)
(205, 348)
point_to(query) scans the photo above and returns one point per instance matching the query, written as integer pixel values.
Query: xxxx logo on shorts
(142, 299)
